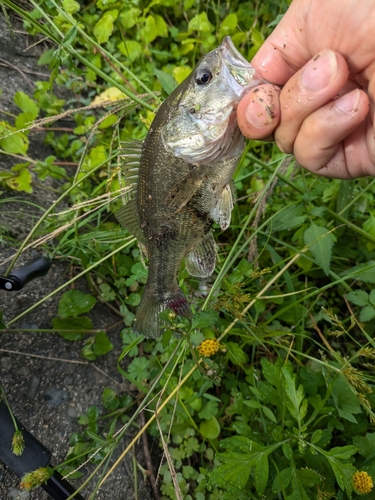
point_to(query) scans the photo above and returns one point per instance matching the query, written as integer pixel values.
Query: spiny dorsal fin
(128, 214)
(131, 154)
(201, 261)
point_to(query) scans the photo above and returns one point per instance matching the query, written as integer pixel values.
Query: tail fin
(147, 321)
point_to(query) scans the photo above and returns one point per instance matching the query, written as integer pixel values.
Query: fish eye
(204, 76)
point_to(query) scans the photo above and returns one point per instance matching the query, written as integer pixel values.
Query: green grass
(285, 408)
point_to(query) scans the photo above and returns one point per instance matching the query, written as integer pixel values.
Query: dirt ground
(34, 364)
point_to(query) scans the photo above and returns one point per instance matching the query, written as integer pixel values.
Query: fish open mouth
(241, 70)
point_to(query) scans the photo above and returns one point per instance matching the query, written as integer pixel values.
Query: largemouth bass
(181, 179)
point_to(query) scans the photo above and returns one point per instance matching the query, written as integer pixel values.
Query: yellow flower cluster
(36, 478)
(18, 443)
(362, 482)
(208, 347)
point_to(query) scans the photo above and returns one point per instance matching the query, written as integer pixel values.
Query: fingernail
(348, 103)
(260, 113)
(319, 71)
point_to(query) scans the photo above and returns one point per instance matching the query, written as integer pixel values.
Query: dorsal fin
(131, 153)
(127, 215)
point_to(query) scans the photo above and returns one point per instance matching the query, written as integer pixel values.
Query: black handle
(19, 277)
(34, 455)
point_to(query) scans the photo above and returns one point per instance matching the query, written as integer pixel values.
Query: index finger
(285, 50)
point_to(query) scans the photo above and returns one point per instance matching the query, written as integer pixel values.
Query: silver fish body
(181, 179)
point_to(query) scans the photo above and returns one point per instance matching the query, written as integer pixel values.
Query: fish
(180, 177)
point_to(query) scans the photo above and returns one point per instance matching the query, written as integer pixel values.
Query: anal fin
(201, 261)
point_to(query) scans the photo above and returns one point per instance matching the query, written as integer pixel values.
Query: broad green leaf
(17, 143)
(241, 457)
(236, 355)
(209, 410)
(365, 444)
(269, 414)
(128, 18)
(149, 32)
(46, 57)
(78, 326)
(104, 27)
(131, 49)
(26, 104)
(315, 438)
(358, 297)
(338, 459)
(309, 477)
(298, 491)
(205, 319)
(253, 404)
(210, 429)
(276, 21)
(228, 25)
(272, 372)
(108, 122)
(97, 155)
(23, 120)
(288, 218)
(130, 341)
(257, 37)
(320, 242)
(70, 6)
(261, 473)
(161, 26)
(109, 399)
(20, 182)
(369, 227)
(107, 294)
(102, 344)
(69, 37)
(297, 407)
(181, 72)
(372, 297)
(345, 399)
(282, 480)
(344, 196)
(200, 23)
(74, 302)
(287, 450)
(139, 368)
(367, 313)
(363, 272)
(166, 81)
(133, 299)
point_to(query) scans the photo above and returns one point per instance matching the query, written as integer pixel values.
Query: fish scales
(184, 177)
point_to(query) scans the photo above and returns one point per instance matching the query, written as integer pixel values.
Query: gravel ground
(37, 368)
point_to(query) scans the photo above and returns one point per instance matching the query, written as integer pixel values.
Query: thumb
(285, 50)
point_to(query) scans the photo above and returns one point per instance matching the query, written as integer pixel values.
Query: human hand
(322, 114)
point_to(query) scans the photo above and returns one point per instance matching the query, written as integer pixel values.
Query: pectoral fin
(186, 189)
(221, 211)
(201, 261)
